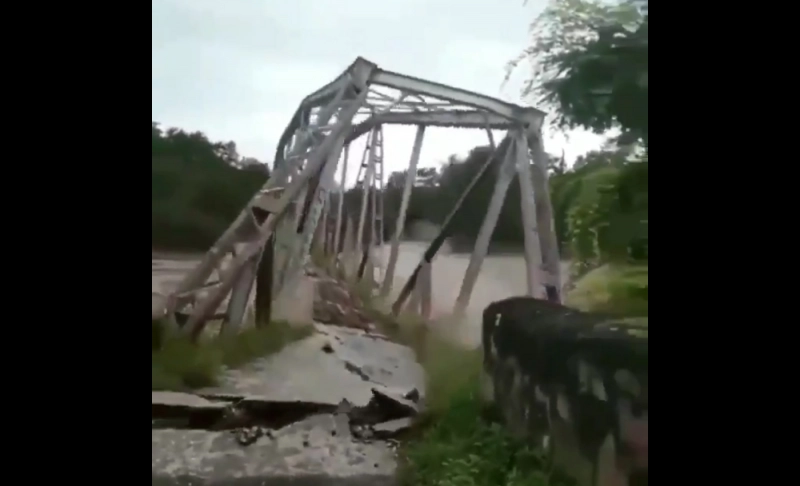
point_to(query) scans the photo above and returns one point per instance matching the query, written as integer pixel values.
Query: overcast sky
(237, 69)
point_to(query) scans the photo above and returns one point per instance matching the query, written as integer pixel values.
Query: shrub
(614, 289)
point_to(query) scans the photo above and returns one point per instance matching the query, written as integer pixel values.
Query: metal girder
(360, 100)
(477, 110)
(359, 73)
(459, 96)
(444, 230)
(461, 119)
(411, 176)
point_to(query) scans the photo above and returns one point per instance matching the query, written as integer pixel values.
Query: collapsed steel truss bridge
(268, 244)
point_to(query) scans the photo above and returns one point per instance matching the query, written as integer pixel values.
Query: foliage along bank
(199, 187)
(600, 204)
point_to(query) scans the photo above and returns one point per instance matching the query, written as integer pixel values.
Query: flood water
(501, 276)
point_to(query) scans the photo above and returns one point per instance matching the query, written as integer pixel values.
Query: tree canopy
(599, 204)
(589, 64)
(199, 187)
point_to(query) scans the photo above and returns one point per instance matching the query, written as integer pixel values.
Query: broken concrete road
(312, 451)
(305, 372)
(322, 411)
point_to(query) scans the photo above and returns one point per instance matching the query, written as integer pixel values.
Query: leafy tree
(589, 61)
(590, 65)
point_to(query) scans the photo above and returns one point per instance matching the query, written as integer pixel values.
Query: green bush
(181, 365)
(462, 447)
(605, 211)
(613, 289)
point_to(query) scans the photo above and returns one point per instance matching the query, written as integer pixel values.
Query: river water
(501, 276)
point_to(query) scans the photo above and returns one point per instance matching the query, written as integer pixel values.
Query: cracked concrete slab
(383, 362)
(303, 371)
(183, 401)
(392, 427)
(321, 370)
(316, 451)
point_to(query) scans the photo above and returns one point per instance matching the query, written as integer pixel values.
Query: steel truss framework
(360, 102)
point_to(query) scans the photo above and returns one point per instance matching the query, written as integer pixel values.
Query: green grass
(181, 365)
(456, 442)
(613, 289)
(461, 446)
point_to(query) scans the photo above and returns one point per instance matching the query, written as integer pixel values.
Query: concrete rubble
(336, 304)
(324, 410)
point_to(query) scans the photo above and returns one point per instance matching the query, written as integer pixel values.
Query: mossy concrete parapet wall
(574, 383)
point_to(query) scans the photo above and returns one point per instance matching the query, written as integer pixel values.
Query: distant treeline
(199, 187)
(600, 204)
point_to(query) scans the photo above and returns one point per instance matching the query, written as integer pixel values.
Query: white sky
(237, 69)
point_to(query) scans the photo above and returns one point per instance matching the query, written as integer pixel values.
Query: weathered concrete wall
(573, 382)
